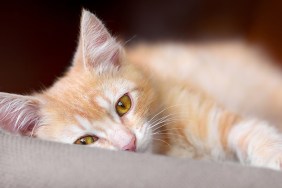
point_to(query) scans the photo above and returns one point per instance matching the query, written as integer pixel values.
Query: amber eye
(86, 140)
(123, 105)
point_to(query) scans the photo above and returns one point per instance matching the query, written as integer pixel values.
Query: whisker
(167, 116)
(163, 111)
(162, 141)
(129, 40)
(170, 129)
(178, 136)
(165, 121)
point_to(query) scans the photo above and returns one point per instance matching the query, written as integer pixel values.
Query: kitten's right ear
(97, 50)
(19, 114)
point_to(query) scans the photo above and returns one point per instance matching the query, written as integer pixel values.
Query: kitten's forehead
(116, 86)
(111, 91)
(89, 95)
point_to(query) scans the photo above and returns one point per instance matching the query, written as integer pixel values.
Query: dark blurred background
(38, 39)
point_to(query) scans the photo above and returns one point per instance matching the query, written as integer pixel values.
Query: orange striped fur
(187, 101)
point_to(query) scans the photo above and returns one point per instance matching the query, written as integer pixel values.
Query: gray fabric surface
(26, 162)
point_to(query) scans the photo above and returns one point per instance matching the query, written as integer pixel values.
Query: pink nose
(131, 146)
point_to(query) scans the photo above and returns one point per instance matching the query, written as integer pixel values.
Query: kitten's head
(102, 101)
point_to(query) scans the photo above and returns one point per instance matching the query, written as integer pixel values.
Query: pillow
(28, 162)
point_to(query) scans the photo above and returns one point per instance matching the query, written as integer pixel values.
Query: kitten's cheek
(143, 137)
(104, 144)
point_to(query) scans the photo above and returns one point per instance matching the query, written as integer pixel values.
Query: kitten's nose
(131, 146)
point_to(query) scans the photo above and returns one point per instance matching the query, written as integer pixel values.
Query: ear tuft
(100, 50)
(18, 114)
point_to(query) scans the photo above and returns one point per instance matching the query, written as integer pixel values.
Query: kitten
(105, 100)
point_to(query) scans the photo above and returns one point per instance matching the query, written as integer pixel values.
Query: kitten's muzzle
(131, 146)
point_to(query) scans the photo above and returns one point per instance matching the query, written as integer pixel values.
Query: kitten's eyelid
(93, 138)
(131, 99)
(135, 89)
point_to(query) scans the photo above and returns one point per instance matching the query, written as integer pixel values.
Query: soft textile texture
(26, 162)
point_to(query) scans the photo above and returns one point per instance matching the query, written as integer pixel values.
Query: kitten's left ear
(100, 51)
(19, 114)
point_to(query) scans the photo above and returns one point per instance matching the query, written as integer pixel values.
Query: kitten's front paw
(269, 158)
(257, 144)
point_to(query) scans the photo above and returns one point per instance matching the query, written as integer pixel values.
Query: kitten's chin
(144, 142)
(144, 148)
(144, 138)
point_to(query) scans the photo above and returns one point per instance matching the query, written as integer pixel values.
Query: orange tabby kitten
(107, 100)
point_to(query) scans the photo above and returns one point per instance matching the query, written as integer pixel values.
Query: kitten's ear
(19, 114)
(100, 51)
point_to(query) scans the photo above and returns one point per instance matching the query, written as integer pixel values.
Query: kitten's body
(204, 77)
(167, 113)
(237, 75)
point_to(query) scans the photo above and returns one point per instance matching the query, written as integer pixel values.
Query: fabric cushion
(27, 162)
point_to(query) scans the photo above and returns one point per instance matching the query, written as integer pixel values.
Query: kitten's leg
(224, 135)
(214, 132)
(256, 143)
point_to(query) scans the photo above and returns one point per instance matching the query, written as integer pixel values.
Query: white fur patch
(84, 122)
(213, 137)
(256, 143)
(103, 103)
(143, 136)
